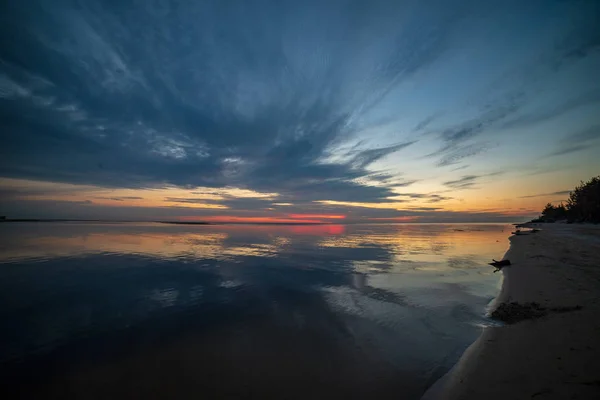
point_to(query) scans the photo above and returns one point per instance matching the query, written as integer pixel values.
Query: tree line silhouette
(583, 205)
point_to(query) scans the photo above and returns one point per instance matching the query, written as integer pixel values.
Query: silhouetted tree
(583, 205)
(552, 213)
(584, 202)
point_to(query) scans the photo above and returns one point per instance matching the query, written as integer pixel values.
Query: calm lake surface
(151, 310)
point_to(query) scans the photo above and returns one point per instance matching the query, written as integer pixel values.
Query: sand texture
(550, 345)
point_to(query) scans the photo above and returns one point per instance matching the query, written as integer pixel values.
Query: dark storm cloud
(210, 96)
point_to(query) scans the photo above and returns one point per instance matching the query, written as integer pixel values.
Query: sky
(297, 111)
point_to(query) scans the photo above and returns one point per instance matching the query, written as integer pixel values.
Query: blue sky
(422, 110)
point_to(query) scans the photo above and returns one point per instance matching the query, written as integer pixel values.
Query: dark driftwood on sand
(499, 264)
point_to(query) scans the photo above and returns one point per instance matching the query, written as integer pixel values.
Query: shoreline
(550, 356)
(442, 386)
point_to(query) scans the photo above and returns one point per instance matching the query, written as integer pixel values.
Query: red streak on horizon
(256, 220)
(324, 216)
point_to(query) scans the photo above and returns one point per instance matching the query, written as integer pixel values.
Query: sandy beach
(554, 352)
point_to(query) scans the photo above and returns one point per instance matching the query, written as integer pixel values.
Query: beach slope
(549, 349)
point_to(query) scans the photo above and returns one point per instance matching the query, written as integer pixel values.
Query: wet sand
(554, 355)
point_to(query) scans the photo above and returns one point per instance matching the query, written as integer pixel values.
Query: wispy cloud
(577, 141)
(211, 99)
(365, 158)
(469, 181)
(466, 182)
(589, 98)
(118, 198)
(559, 193)
(451, 157)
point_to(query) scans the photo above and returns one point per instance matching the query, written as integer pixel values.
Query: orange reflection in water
(318, 230)
(155, 244)
(425, 243)
(429, 245)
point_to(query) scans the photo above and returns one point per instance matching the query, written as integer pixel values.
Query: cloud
(568, 150)
(425, 123)
(585, 99)
(559, 193)
(367, 157)
(452, 157)
(585, 135)
(146, 110)
(466, 182)
(577, 141)
(85, 210)
(430, 197)
(503, 104)
(458, 140)
(235, 98)
(425, 208)
(469, 181)
(118, 198)
(186, 200)
(460, 168)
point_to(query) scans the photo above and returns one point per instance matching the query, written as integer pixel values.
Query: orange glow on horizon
(519, 202)
(396, 219)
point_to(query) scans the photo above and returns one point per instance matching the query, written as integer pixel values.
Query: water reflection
(263, 310)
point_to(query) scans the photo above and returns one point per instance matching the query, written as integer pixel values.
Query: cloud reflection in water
(382, 308)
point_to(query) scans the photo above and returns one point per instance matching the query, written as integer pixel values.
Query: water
(171, 311)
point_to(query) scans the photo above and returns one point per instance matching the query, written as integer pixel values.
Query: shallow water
(172, 311)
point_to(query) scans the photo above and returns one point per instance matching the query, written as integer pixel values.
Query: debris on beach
(514, 312)
(499, 264)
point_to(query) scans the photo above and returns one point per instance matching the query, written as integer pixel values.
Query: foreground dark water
(166, 311)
